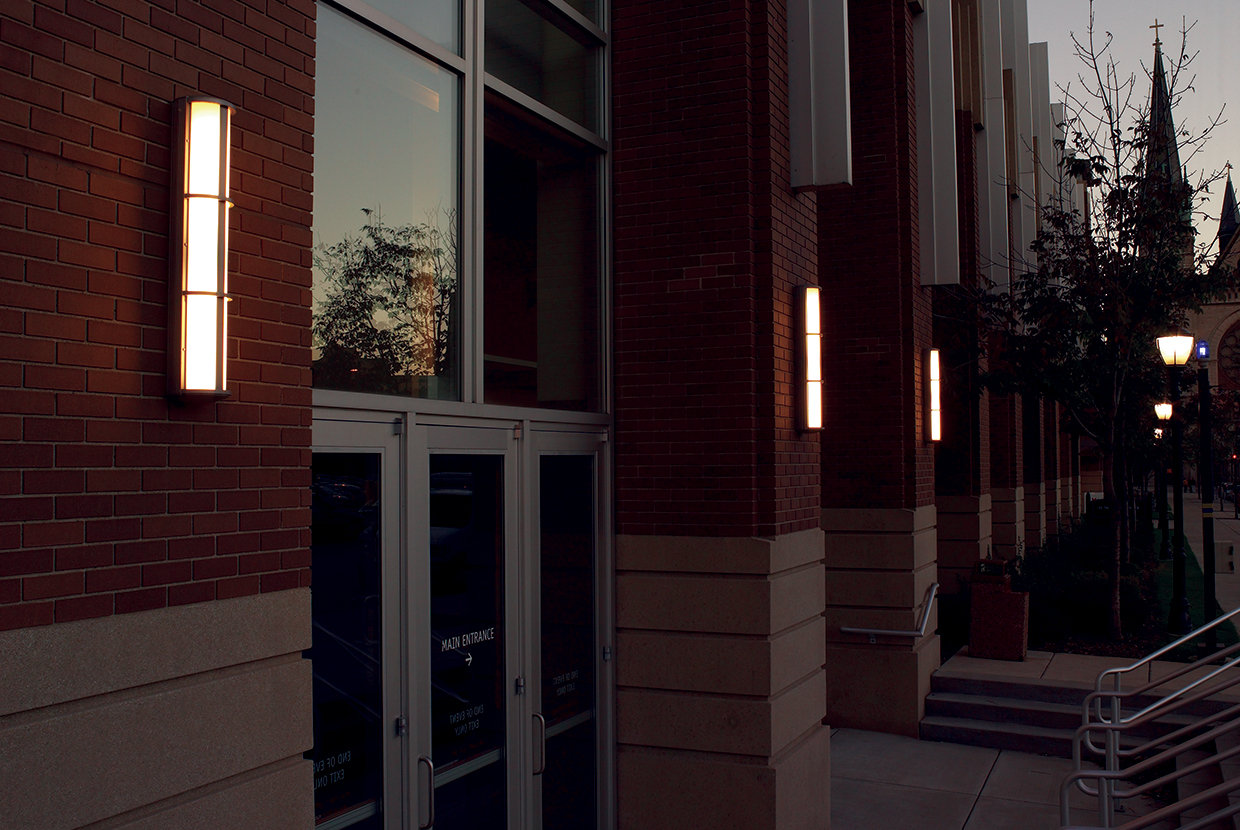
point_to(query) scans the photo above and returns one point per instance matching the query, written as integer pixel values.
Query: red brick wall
(1007, 466)
(1032, 440)
(877, 318)
(113, 500)
(710, 244)
(1050, 438)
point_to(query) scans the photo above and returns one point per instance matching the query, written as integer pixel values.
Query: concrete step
(1030, 712)
(1041, 690)
(1229, 768)
(1003, 710)
(1021, 737)
(1052, 692)
(1193, 783)
(1014, 736)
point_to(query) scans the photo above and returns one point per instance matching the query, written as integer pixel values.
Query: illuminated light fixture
(1163, 411)
(934, 397)
(1176, 348)
(1203, 349)
(810, 314)
(198, 249)
(1158, 434)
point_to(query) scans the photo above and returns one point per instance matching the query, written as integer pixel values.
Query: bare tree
(386, 317)
(1114, 272)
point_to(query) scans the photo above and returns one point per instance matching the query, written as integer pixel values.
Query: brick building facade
(129, 522)
(567, 560)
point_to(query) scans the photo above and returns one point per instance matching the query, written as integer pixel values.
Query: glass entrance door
(511, 534)
(355, 614)
(467, 521)
(564, 590)
(456, 617)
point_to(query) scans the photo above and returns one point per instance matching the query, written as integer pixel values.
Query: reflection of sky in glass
(385, 132)
(538, 57)
(438, 20)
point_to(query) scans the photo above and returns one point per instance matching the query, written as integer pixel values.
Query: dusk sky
(1216, 67)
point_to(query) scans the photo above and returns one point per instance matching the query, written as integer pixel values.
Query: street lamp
(1163, 411)
(1176, 349)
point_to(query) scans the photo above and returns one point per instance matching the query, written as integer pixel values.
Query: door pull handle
(542, 743)
(430, 792)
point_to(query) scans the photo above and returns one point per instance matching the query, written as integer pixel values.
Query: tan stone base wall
(965, 535)
(789, 792)
(1008, 521)
(881, 689)
(720, 685)
(185, 717)
(880, 566)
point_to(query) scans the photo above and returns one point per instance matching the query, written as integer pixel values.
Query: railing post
(1095, 716)
(1112, 755)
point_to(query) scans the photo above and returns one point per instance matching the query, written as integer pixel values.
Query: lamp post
(1160, 485)
(1207, 479)
(1175, 349)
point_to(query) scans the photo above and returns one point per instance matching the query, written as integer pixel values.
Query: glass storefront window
(541, 313)
(531, 52)
(437, 20)
(588, 9)
(386, 224)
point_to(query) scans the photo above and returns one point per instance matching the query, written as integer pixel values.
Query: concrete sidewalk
(893, 782)
(1226, 532)
(897, 783)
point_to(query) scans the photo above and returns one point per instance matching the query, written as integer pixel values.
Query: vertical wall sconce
(810, 363)
(934, 397)
(198, 249)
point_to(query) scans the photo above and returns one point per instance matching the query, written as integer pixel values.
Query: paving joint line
(982, 789)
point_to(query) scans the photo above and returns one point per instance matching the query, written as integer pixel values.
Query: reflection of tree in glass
(385, 321)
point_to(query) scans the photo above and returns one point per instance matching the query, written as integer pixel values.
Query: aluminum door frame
(520, 441)
(341, 433)
(471, 438)
(550, 439)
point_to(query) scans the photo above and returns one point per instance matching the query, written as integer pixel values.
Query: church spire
(1163, 152)
(1163, 191)
(1229, 220)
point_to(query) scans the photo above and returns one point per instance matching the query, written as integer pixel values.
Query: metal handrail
(1160, 708)
(1162, 681)
(1113, 724)
(920, 631)
(1172, 646)
(1163, 813)
(1170, 753)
